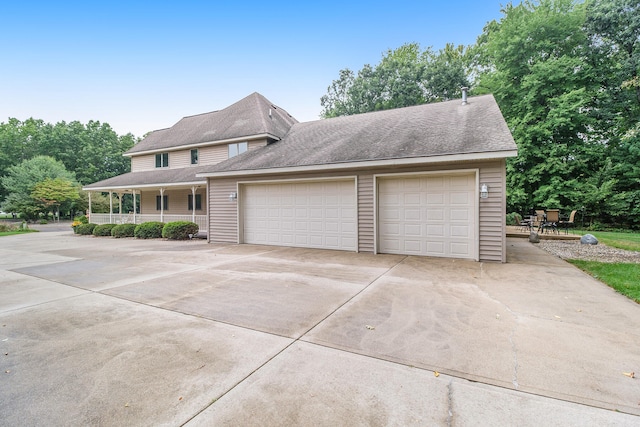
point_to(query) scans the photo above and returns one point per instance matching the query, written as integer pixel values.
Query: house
(423, 180)
(165, 163)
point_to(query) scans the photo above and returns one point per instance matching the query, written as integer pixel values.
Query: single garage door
(320, 214)
(432, 215)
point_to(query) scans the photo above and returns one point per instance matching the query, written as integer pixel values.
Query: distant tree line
(43, 166)
(565, 75)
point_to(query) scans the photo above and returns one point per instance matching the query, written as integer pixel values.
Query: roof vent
(270, 113)
(464, 95)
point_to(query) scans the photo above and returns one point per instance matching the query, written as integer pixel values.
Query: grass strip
(11, 233)
(623, 277)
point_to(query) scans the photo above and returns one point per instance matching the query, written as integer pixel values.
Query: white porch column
(110, 207)
(161, 204)
(193, 203)
(89, 213)
(120, 206)
(134, 206)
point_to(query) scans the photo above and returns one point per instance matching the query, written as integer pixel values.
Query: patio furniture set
(548, 220)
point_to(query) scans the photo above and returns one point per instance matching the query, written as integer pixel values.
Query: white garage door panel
(428, 215)
(305, 214)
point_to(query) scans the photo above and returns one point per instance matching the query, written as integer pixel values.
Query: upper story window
(237, 148)
(194, 156)
(162, 160)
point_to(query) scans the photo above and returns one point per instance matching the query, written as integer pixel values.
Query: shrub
(82, 219)
(123, 230)
(85, 229)
(179, 230)
(7, 226)
(149, 230)
(511, 219)
(103, 229)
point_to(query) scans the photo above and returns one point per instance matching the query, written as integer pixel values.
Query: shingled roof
(151, 178)
(436, 131)
(252, 116)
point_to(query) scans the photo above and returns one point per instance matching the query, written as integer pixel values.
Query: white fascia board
(366, 164)
(136, 187)
(203, 144)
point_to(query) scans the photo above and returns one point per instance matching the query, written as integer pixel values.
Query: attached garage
(432, 215)
(404, 181)
(311, 214)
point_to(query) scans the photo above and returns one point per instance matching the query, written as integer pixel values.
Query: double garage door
(433, 215)
(321, 214)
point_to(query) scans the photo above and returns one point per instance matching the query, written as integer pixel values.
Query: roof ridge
(200, 114)
(258, 98)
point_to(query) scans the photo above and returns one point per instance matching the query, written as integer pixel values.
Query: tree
(404, 77)
(21, 180)
(93, 151)
(614, 30)
(535, 67)
(54, 192)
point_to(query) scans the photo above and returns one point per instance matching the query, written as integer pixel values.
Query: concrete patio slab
(96, 360)
(20, 291)
(206, 334)
(427, 313)
(312, 385)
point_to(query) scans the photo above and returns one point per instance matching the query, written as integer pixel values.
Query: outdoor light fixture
(233, 196)
(484, 191)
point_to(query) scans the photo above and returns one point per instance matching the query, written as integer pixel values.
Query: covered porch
(164, 204)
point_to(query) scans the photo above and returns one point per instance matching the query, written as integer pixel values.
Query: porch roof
(156, 178)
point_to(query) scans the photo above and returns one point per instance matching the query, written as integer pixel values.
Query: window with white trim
(162, 160)
(237, 148)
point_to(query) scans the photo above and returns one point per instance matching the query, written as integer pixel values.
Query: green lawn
(621, 240)
(623, 277)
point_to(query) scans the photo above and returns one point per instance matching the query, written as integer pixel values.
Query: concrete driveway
(100, 331)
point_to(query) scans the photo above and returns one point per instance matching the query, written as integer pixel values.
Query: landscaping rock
(534, 238)
(588, 239)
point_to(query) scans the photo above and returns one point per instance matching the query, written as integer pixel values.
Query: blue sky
(141, 66)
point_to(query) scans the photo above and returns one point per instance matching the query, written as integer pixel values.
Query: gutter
(363, 164)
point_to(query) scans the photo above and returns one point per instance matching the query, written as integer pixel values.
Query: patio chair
(522, 224)
(551, 220)
(538, 220)
(569, 223)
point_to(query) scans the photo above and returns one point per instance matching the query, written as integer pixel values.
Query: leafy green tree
(535, 67)
(93, 151)
(405, 76)
(22, 179)
(53, 193)
(614, 30)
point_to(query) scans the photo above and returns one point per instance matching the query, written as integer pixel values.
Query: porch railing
(105, 218)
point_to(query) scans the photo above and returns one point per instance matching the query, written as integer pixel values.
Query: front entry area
(310, 214)
(430, 215)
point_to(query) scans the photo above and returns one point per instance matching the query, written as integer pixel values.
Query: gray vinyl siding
(491, 211)
(492, 214)
(223, 218)
(366, 217)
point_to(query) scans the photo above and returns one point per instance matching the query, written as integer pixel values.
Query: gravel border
(575, 250)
